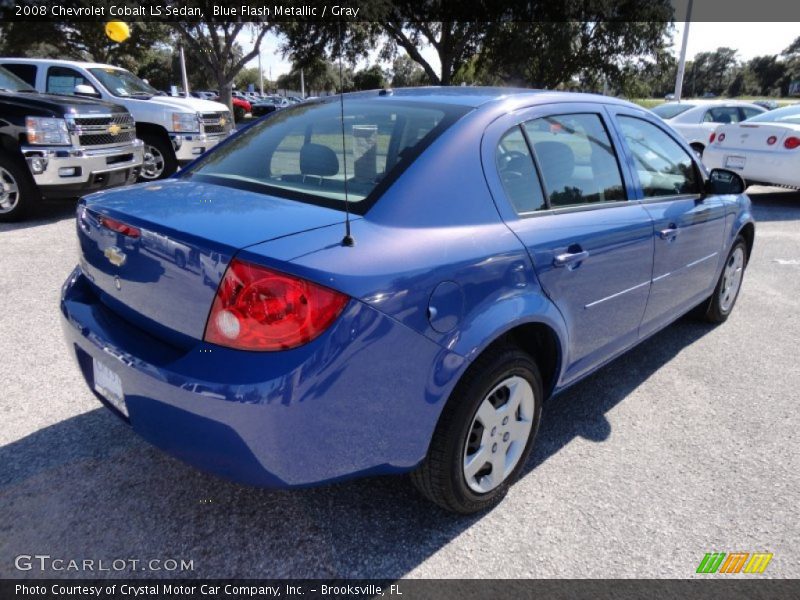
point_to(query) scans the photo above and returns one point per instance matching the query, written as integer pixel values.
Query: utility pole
(302, 85)
(184, 77)
(682, 60)
(260, 73)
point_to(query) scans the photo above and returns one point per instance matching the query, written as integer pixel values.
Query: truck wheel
(485, 433)
(159, 158)
(18, 191)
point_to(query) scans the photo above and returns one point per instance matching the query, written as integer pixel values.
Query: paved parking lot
(687, 444)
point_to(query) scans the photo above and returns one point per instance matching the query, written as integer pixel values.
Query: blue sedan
(394, 282)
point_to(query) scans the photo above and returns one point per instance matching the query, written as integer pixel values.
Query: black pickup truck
(60, 146)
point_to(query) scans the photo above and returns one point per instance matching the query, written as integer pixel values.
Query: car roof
(476, 96)
(59, 62)
(711, 103)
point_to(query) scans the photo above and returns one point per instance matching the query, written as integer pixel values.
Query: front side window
(518, 173)
(576, 159)
(62, 80)
(663, 166)
(25, 72)
(722, 114)
(305, 152)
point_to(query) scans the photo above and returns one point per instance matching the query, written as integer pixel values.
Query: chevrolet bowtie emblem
(114, 129)
(222, 121)
(115, 256)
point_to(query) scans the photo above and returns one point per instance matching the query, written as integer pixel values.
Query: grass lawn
(651, 102)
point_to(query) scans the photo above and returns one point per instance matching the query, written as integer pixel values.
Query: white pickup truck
(175, 131)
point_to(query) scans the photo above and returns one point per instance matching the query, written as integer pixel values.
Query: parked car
(268, 105)
(768, 104)
(55, 147)
(696, 120)
(240, 107)
(764, 150)
(423, 333)
(175, 130)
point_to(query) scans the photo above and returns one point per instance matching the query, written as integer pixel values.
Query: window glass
(722, 114)
(25, 72)
(123, 83)
(787, 114)
(298, 152)
(750, 112)
(518, 173)
(663, 166)
(576, 159)
(62, 80)
(671, 110)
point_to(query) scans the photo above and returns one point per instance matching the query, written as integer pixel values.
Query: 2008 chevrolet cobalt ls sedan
(505, 244)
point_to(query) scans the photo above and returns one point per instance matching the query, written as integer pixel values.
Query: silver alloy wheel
(153, 165)
(731, 279)
(498, 434)
(9, 192)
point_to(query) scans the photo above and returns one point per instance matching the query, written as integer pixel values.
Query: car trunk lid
(754, 136)
(156, 252)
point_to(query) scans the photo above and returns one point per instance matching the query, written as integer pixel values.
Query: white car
(696, 120)
(763, 150)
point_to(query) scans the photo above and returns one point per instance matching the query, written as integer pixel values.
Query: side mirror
(85, 90)
(722, 181)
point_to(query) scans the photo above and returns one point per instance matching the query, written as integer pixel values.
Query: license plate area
(735, 162)
(109, 385)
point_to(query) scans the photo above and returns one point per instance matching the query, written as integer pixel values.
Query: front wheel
(726, 292)
(159, 158)
(485, 433)
(18, 192)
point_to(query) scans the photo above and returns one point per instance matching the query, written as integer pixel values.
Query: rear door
(688, 225)
(565, 197)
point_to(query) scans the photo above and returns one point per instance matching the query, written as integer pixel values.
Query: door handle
(670, 233)
(570, 258)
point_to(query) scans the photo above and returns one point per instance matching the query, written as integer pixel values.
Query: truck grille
(216, 123)
(103, 130)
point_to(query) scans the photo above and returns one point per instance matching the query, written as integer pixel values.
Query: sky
(750, 39)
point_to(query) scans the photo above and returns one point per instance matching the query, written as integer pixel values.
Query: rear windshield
(304, 153)
(671, 110)
(787, 114)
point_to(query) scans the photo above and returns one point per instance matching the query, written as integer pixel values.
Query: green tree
(406, 73)
(370, 78)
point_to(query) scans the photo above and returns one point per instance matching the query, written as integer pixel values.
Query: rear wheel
(721, 303)
(18, 192)
(485, 433)
(159, 158)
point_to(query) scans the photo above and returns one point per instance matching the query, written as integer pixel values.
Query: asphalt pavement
(687, 444)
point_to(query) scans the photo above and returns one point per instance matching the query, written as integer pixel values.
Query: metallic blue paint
(442, 267)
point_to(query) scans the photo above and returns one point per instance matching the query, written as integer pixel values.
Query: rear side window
(62, 80)
(663, 166)
(671, 109)
(518, 173)
(750, 112)
(25, 72)
(576, 159)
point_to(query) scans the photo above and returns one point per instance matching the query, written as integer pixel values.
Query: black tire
(238, 114)
(162, 145)
(440, 477)
(18, 192)
(716, 310)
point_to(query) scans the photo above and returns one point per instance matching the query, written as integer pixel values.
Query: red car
(240, 107)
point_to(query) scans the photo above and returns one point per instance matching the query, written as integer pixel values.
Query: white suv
(175, 131)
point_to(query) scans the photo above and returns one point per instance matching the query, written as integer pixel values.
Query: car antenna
(348, 239)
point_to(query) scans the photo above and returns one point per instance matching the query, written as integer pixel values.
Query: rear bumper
(760, 166)
(68, 171)
(363, 398)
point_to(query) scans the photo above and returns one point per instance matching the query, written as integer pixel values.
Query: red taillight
(260, 309)
(791, 143)
(711, 139)
(120, 227)
(771, 140)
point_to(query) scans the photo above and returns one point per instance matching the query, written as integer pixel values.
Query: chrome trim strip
(612, 296)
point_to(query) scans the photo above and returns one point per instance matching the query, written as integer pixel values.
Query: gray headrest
(319, 160)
